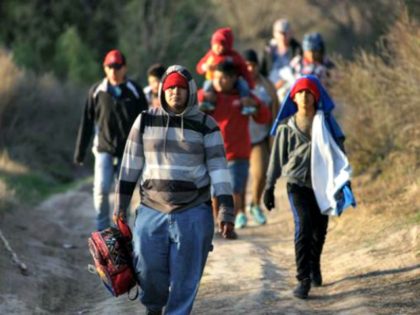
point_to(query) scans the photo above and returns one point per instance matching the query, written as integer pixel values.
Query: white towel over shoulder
(330, 168)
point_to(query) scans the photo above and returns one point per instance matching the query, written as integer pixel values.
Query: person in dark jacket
(111, 108)
(278, 53)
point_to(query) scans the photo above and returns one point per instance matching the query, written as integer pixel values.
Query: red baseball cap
(305, 84)
(114, 57)
(175, 79)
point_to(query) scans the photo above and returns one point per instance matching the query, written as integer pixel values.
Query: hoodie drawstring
(182, 128)
(167, 129)
(166, 134)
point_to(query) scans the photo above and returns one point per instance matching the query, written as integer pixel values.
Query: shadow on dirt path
(252, 275)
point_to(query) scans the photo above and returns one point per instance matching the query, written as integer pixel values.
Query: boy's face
(312, 56)
(222, 82)
(176, 98)
(115, 74)
(153, 83)
(218, 48)
(252, 68)
(281, 37)
(305, 102)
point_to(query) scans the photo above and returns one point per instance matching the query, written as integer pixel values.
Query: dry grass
(380, 113)
(10, 166)
(380, 96)
(38, 119)
(7, 197)
(345, 24)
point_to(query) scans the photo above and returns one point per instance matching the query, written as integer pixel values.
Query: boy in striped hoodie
(176, 152)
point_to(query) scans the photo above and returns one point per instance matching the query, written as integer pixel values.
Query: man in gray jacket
(177, 153)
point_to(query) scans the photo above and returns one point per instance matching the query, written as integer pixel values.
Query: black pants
(310, 229)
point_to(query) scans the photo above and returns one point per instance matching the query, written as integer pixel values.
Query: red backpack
(112, 255)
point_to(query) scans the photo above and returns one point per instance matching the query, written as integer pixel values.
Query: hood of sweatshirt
(192, 107)
(325, 103)
(225, 36)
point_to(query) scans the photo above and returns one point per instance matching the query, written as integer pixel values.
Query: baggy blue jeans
(170, 251)
(104, 173)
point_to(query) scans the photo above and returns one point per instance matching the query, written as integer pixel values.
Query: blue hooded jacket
(288, 108)
(344, 196)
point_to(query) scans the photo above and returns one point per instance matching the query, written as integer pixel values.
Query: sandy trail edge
(252, 275)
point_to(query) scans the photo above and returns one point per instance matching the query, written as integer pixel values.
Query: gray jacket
(290, 156)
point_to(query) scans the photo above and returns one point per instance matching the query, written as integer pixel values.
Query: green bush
(74, 60)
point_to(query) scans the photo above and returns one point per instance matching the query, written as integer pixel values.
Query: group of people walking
(190, 152)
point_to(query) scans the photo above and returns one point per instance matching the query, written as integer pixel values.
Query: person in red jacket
(234, 127)
(222, 50)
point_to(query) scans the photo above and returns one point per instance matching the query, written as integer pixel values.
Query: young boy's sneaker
(248, 110)
(248, 106)
(218, 234)
(232, 235)
(240, 221)
(302, 289)
(258, 215)
(316, 276)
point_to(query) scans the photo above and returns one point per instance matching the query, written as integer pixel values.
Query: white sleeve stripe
(220, 176)
(133, 89)
(133, 162)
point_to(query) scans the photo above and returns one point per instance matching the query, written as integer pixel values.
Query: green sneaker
(240, 221)
(258, 215)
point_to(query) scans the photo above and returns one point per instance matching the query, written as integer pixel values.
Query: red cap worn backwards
(175, 79)
(305, 84)
(114, 57)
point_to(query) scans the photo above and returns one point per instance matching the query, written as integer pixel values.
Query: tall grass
(38, 120)
(381, 102)
(380, 111)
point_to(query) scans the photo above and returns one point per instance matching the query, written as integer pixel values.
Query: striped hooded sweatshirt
(176, 157)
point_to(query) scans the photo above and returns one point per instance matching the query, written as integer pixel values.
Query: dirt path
(252, 275)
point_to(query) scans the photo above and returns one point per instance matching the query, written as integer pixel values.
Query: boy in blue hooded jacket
(291, 158)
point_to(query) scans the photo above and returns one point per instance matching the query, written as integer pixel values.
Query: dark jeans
(310, 229)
